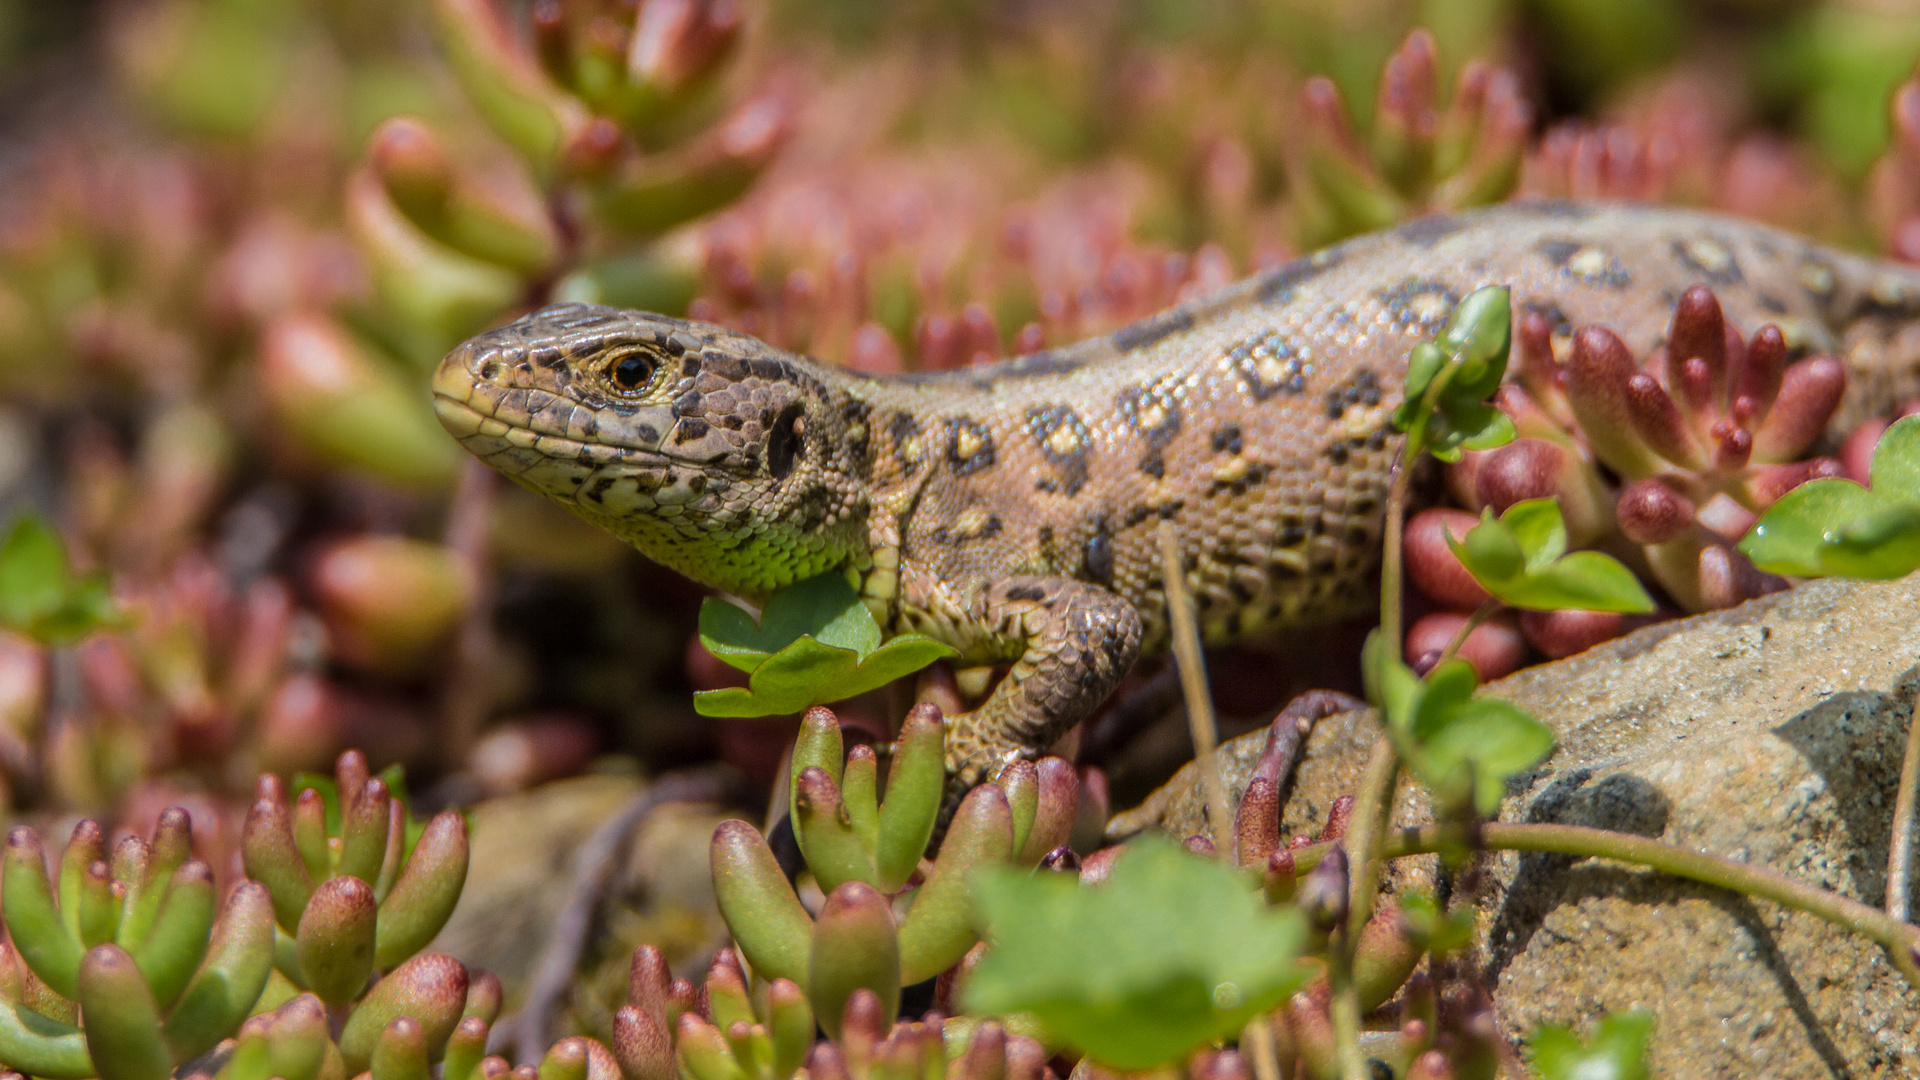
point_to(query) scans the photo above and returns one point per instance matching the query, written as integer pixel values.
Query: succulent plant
(890, 919)
(1418, 159)
(129, 940)
(350, 888)
(1695, 442)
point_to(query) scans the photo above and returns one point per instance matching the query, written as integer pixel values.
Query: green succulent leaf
(1449, 380)
(1521, 558)
(1836, 527)
(815, 642)
(1125, 971)
(1617, 1051)
(39, 594)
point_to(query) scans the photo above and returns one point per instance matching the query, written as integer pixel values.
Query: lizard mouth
(491, 435)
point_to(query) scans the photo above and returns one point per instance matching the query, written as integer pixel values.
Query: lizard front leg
(1070, 643)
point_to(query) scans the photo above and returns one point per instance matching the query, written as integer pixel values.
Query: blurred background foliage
(236, 234)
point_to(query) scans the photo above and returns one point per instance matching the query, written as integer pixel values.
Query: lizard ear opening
(786, 443)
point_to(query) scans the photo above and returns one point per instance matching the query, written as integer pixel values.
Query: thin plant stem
(1193, 682)
(1899, 938)
(1260, 1037)
(1391, 572)
(1900, 851)
(1486, 608)
(1371, 809)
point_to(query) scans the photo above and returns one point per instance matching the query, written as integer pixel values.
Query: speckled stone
(1770, 733)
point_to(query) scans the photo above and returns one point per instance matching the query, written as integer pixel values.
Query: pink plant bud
(1597, 376)
(552, 38)
(1810, 392)
(1694, 385)
(1323, 118)
(825, 1062)
(1766, 483)
(1031, 339)
(1462, 477)
(521, 754)
(1523, 469)
(1856, 453)
(1339, 812)
(648, 980)
(301, 726)
(390, 602)
(1762, 366)
(874, 352)
(593, 149)
(1533, 352)
(1432, 1065)
(1564, 633)
(350, 775)
(1097, 867)
(1657, 420)
(1090, 818)
(1728, 578)
(1698, 332)
(863, 1023)
(1405, 120)
(1903, 242)
(1323, 893)
(1650, 511)
(938, 343)
(675, 42)
(1431, 564)
(412, 164)
(1732, 447)
(1199, 845)
(980, 333)
(1494, 648)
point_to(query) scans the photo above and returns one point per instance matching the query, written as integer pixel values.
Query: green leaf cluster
(1836, 527)
(1521, 558)
(815, 642)
(1617, 1051)
(1170, 952)
(40, 596)
(1449, 381)
(1462, 747)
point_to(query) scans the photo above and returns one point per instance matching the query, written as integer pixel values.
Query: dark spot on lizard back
(1361, 388)
(904, 429)
(1587, 262)
(1419, 304)
(1424, 232)
(969, 446)
(1277, 285)
(1065, 442)
(1559, 209)
(1153, 413)
(1147, 331)
(1268, 366)
(1709, 257)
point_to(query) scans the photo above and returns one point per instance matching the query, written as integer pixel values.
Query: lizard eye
(632, 372)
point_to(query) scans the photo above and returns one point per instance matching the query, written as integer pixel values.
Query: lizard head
(714, 453)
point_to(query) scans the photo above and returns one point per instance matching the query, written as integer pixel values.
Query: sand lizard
(1009, 510)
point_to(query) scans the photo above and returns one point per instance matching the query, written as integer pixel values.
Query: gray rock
(523, 864)
(1770, 733)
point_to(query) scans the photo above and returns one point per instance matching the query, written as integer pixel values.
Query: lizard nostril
(490, 372)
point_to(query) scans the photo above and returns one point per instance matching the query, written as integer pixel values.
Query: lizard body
(1010, 510)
